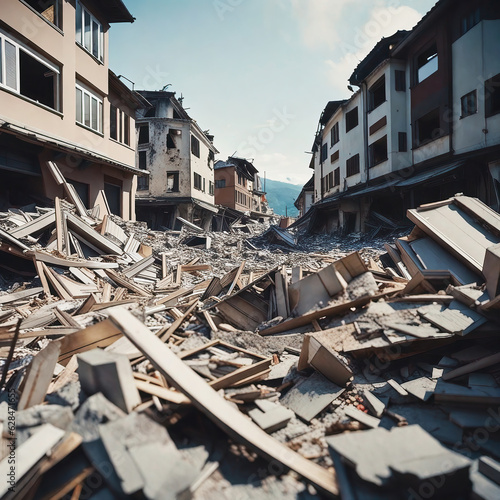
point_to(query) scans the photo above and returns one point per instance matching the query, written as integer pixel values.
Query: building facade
(60, 102)
(179, 158)
(427, 126)
(239, 187)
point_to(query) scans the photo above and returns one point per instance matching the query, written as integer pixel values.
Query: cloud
(383, 22)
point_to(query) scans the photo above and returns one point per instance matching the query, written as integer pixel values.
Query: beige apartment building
(60, 102)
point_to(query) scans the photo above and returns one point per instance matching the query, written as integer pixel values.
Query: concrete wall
(204, 167)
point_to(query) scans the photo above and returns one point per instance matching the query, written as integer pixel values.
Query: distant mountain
(281, 196)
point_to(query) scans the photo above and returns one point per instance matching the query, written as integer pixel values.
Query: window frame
(197, 181)
(466, 109)
(349, 121)
(334, 134)
(400, 80)
(353, 165)
(431, 49)
(176, 182)
(492, 96)
(85, 91)
(373, 93)
(195, 146)
(19, 46)
(373, 148)
(80, 40)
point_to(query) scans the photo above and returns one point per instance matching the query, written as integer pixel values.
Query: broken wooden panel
(315, 290)
(461, 233)
(217, 409)
(245, 310)
(350, 266)
(35, 226)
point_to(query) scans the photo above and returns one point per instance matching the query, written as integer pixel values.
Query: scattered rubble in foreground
(253, 363)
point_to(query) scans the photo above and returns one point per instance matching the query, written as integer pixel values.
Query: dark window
(172, 182)
(428, 127)
(195, 146)
(378, 151)
(351, 119)
(220, 183)
(334, 134)
(427, 63)
(336, 177)
(37, 81)
(470, 20)
(113, 122)
(469, 104)
(402, 143)
(492, 96)
(334, 156)
(49, 9)
(143, 183)
(143, 160)
(144, 134)
(324, 152)
(197, 181)
(173, 137)
(113, 194)
(352, 166)
(126, 129)
(150, 113)
(400, 80)
(376, 94)
(210, 187)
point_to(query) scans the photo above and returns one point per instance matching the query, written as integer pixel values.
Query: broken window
(172, 182)
(89, 32)
(334, 134)
(143, 180)
(144, 133)
(376, 94)
(197, 181)
(470, 20)
(195, 146)
(336, 177)
(88, 109)
(351, 119)
(400, 80)
(402, 142)
(352, 165)
(428, 127)
(324, 152)
(378, 151)
(220, 183)
(492, 96)
(469, 104)
(427, 63)
(49, 9)
(28, 74)
(173, 137)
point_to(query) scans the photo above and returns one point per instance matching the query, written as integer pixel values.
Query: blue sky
(256, 73)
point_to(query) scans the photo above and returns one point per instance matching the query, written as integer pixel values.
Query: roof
(132, 97)
(115, 11)
(379, 53)
(308, 186)
(242, 165)
(330, 110)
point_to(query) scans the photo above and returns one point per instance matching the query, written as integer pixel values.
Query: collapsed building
(62, 104)
(422, 125)
(178, 160)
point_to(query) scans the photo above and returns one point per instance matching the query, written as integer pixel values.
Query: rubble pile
(207, 365)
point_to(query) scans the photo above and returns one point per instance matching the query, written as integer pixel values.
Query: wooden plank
(196, 267)
(236, 278)
(62, 262)
(41, 274)
(240, 374)
(138, 267)
(38, 376)
(124, 282)
(210, 321)
(12, 297)
(175, 295)
(59, 225)
(100, 335)
(350, 266)
(60, 290)
(221, 412)
(36, 225)
(161, 392)
(4, 235)
(281, 304)
(473, 367)
(178, 322)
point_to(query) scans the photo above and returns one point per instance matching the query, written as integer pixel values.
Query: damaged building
(422, 125)
(239, 188)
(179, 158)
(43, 73)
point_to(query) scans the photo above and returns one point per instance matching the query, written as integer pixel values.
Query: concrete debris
(123, 348)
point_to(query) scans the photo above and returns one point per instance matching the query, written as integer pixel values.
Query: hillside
(281, 195)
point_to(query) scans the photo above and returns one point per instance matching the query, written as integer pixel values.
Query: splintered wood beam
(220, 411)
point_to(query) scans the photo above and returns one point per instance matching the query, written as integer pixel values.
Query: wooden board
(221, 412)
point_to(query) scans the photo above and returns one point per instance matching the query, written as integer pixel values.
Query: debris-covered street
(332, 367)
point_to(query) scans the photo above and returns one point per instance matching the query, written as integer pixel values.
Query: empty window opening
(334, 134)
(376, 94)
(173, 137)
(144, 134)
(113, 193)
(351, 119)
(143, 165)
(195, 146)
(492, 96)
(427, 63)
(150, 113)
(428, 127)
(336, 177)
(468, 104)
(172, 182)
(197, 181)
(378, 151)
(324, 152)
(49, 9)
(402, 142)
(352, 165)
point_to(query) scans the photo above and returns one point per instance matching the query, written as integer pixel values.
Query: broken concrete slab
(271, 418)
(362, 417)
(374, 404)
(422, 388)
